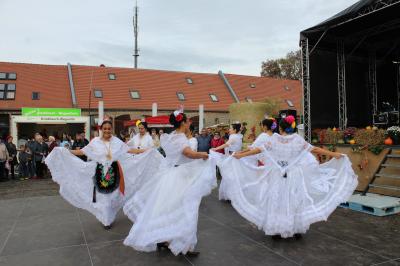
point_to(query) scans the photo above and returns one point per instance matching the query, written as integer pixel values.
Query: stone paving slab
(46, 230)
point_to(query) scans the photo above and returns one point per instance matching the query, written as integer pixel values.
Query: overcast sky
(188, 35)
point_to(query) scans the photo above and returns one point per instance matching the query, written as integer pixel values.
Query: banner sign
(27, 111)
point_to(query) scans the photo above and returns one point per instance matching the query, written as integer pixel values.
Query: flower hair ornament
(292, 122)
(178, 115)
(274, 124)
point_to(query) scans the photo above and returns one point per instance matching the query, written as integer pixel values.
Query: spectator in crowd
(25, 163)
(217, 141)
(85, 139)
(12, 160)
(204, 141)
(40, 150)
(196, 134)
(79, 143)
(52, 143)
(210, 132)
(161, 132)
(226, 135)
(65, 141)
(3, 160)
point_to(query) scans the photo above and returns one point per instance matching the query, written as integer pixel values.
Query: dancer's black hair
(106, 122)
(174, 122)
(285, 126)
(145, 125)
(267, 123)
(236, 127)
(191, 128)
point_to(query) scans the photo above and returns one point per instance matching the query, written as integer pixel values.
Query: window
(98, 93)
(35, 95)
(189, 81)
(249, 100)
(112, 76)
(12, 76)
(3, 75)
(181, 96)
(7, 91)
(252, 85)
(289, 103)
(286, 87)
(135, 94)
(214, 97)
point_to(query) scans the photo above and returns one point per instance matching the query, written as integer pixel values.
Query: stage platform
(38, 228)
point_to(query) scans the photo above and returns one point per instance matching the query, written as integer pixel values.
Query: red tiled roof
(267, 87)
(51, 81)
(153, 85)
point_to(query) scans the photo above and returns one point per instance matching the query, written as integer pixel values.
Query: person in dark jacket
(39, 151)
(12, 153)
(25, 163)
(204, 141)
(79, 143)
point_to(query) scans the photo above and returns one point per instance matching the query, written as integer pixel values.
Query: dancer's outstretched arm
(188, 152)
(247, 153)
(223, 146)
(320, 151)
(136, 151)
(77, 152)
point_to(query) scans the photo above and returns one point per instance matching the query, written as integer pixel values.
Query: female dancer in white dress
(234, 144)
(291, 191)
(141, 142)
(268, 125)
(168, 218)
(102, 184)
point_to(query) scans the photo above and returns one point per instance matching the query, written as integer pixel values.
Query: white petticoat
(170, 213)
(75, 178)
(286, 206)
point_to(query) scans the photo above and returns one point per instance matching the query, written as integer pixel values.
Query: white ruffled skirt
(170, 213)
(286, 206)
(75, 178)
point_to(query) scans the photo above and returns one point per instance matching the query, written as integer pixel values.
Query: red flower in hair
(290, 119)
(179, 117)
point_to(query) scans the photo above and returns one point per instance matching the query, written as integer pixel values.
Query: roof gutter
(71, 84)
(228, 86)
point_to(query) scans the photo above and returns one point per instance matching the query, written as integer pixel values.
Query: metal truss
(305, 71)
(398, 90)
(341, 64)
(377, 5)
(373, 88)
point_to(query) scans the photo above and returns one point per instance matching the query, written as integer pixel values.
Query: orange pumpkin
(352, 142)
(388, 141)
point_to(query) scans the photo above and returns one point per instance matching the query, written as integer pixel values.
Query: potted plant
(349, 133)
(394, 134)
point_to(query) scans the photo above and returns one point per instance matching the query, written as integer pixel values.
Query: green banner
(27, 111)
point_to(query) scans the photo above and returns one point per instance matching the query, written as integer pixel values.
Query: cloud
(203, 36)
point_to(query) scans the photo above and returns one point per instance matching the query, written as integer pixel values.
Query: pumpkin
(388, 141)
(334, 129)
(368, 128)
(374, 128)
(352, 142)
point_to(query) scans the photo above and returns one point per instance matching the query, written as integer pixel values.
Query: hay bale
(252, 114)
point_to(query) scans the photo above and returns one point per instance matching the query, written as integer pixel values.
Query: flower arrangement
(369, 137)
(333, 136)
(349, 133)
(394, 134)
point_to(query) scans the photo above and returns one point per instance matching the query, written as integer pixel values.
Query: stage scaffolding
(305, 70)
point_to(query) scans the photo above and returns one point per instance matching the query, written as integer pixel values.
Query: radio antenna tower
(135, 30)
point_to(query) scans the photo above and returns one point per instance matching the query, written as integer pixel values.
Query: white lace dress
(292, 190)
(170, 213)
(75, 176)
(141, 142)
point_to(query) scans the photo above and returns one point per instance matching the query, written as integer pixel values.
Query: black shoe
(107, 227)
(276, 237)
(298, 236)
(162, 245)
(193, 253)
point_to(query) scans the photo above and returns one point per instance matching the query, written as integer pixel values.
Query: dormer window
(214, 97)
(289, 103)
(189, 81)
(181, 96)
(252, 85)
(35, 95)
(98, 93)
(135, 94)
(112, 76)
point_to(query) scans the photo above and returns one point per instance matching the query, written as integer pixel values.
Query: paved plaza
(37, 228)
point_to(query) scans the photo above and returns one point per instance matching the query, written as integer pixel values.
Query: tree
(288, 67)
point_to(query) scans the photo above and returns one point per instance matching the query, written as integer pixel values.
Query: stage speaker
(381, 119)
